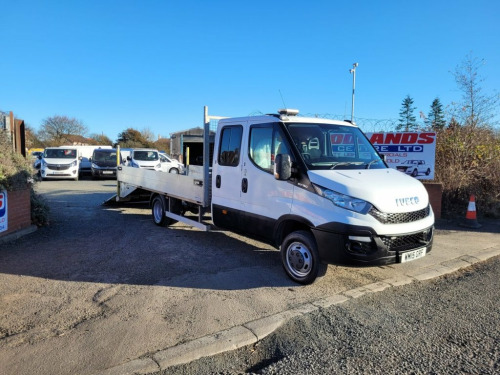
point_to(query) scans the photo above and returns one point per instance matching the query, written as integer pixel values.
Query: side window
(265, 143)
(230, 146)
(260, 147)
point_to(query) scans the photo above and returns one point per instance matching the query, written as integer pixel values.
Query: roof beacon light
(285, 112)
(288, 111)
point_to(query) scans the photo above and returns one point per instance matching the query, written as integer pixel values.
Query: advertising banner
(413, 153)
(3, 211)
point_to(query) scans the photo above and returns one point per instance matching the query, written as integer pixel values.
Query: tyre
(158, 209)
(173, 170)
(300, 258)
(428, 172)
(414, 173)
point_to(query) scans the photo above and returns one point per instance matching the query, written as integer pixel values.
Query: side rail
(189, 188)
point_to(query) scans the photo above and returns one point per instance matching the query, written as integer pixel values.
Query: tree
(476, 108)
(148, 135)
(32, 140)
(163, 144)
(407, 120)
(101, 139)
(436, 116)
(132, 138)
(56, 129)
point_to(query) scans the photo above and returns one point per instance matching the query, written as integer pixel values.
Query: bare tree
(32, 140)
(475, 108)
(148, 135)
(56, 129)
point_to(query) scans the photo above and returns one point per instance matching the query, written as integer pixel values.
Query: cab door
(226, 178)
(264, 199)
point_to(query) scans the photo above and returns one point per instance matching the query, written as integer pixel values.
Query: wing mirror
(282, 167)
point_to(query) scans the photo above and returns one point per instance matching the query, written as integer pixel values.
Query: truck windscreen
(327, 146)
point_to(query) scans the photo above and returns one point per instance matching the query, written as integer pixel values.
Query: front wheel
(300, 258)
(173, 170)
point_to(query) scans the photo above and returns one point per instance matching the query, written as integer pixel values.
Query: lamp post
(353, 71)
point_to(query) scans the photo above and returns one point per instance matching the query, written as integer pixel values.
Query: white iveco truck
(314, 188)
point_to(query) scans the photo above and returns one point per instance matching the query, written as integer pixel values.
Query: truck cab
(319, 191)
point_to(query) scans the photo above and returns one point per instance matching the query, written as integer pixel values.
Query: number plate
(412, 255)
(107, 172)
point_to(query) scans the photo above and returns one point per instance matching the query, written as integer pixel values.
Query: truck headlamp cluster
(344, 201)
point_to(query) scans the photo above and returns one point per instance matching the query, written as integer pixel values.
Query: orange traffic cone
(470, 217)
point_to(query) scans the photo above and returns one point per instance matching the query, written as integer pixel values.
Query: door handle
(244, 185)
(217, 181)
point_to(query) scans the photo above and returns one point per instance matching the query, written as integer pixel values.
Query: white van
(59, 163)
(146, 158)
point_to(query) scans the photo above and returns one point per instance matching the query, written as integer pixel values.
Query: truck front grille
(407, 242)
(399, 218)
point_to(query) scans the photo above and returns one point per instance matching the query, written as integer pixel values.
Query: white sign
(411, 153)
(3, 211)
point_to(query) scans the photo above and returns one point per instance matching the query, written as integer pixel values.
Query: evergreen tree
(407, 120)
(436, 116)
(132, 138)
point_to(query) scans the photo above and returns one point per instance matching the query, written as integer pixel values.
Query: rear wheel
(158, 208)
(300, 257)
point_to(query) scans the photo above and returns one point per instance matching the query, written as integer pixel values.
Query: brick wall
(435, 191)
(19, 210)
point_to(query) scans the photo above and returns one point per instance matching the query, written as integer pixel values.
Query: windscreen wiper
(342, 164)
(368, 165)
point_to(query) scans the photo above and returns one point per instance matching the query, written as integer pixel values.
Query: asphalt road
(102, 286)
(450, 325)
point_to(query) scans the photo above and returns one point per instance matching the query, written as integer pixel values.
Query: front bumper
(59, 173)
(342, 243)
(104, 173)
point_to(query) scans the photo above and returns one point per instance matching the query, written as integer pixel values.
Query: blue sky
(155, 64)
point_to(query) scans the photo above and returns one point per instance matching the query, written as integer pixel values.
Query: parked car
(103, 163)
(414, 167)
(171, 165)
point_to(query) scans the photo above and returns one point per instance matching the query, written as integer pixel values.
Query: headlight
(344, 201)
(95, 166)
(73, 164)
(44, 163)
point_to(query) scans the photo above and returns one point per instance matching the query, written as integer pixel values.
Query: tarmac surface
(104, 291)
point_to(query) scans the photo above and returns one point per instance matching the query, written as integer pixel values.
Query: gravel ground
(102, 285)
(446, 326)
